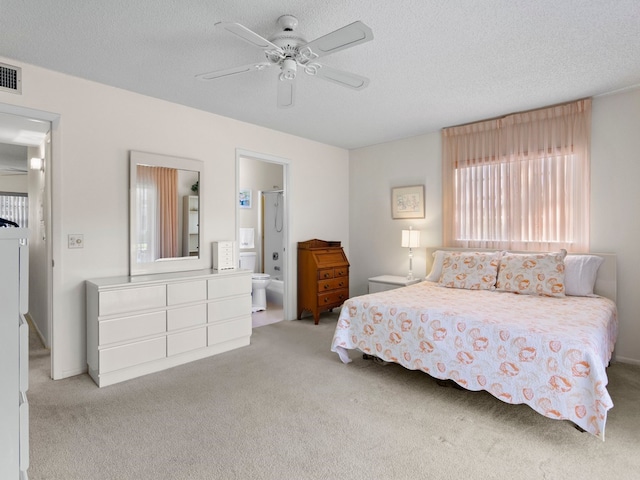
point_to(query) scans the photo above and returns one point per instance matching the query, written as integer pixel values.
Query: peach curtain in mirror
(157, 194)
(519, 182)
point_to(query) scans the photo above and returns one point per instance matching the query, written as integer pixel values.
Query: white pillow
(470, 270)
(580, 274)
(436, 268)
(532, 274)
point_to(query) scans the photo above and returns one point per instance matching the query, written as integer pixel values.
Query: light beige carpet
(285, 407)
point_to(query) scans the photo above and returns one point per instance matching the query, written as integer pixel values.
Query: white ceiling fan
(289, 50)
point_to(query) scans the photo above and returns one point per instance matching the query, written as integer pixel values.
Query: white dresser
(139, 325)
(14, 354)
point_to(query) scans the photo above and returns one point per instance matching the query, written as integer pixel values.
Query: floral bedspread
(549, 353)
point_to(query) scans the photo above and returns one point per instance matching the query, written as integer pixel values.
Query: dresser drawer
(185, 317)
(336, 272)
(132, 299)
(129, 328)
(336, 297)
(228, 308)
(333, 284)
(124, 356)
(23, 348)
(23, 414)
(228, 330)
(186, 292)
(186, 341)
(341, 272)
(226, 286)
(325, 273)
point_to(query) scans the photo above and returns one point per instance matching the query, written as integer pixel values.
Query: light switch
(76, 240)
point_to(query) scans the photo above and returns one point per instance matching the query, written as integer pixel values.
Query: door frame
(288, 261)
(51, 214)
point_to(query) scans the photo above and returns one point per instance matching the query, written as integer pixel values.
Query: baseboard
(33, 325)
(631, 361)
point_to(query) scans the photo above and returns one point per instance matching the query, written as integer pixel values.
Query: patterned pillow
(532, 274)
(470, 270)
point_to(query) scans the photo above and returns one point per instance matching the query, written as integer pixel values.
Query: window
(15, 207)
(520, 182)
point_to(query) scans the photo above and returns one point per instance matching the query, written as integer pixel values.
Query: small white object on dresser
(140, 325)
(14, 354)
(224, 255)
(389, 282)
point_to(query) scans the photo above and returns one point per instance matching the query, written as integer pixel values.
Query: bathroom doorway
(262, 223)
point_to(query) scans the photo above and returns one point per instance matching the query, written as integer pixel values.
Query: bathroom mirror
(165, 214)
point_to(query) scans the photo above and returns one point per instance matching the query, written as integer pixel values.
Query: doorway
(262, 215)
(32, 131)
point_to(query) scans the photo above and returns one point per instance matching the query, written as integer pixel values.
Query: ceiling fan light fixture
(289, 69)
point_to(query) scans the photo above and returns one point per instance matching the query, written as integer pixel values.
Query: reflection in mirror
(165, 213)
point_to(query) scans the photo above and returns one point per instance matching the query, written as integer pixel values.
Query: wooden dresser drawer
(132, 327)
(333, 284)
(186, 292)
(325, 273)
(336, 297)
(132, 354)
(341, 272)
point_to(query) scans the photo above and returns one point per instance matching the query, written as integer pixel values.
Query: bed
(545, 346)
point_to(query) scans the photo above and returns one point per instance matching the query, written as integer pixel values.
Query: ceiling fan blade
(345, 37)
(248, 36)
(286, 93)
(346, 79)
(228, 72)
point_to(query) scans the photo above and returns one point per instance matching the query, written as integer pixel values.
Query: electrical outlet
(76, 240)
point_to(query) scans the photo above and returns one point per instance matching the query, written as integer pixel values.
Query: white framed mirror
(165, 213)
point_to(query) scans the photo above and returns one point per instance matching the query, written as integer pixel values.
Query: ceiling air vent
(10, 78)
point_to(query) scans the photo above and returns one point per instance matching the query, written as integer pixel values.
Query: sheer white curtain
(520, 182)
(157, 213)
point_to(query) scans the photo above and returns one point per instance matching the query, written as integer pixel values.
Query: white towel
(246, 238)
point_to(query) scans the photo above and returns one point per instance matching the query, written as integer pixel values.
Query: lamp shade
(410, 238)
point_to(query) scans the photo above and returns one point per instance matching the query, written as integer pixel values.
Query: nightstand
(389, 282)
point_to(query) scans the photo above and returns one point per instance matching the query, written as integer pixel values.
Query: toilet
(259, 281)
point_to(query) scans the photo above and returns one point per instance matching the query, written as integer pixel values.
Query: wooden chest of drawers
(323, 277)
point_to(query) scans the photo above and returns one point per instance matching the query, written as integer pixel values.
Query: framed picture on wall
(407, 202)
(245, 198)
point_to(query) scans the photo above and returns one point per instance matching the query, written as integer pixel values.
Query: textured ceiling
(431, 64)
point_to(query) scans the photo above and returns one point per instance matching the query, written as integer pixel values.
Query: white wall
(375, 236)
(14, 183)
(615, 204)
(615, 199)
(98, 126)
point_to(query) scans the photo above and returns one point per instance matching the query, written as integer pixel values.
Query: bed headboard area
(605, 285)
